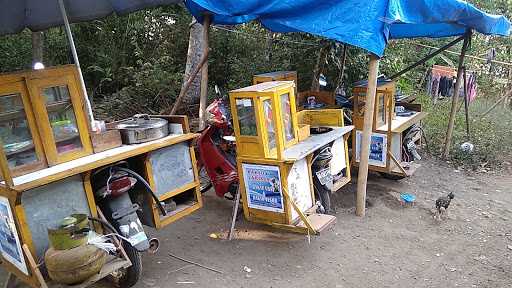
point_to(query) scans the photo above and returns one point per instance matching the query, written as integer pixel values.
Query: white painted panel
(299, 187)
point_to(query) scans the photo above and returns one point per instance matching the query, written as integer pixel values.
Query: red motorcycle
(217, 151)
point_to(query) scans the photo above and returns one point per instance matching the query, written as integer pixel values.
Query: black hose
(104, 222)
(146, 185)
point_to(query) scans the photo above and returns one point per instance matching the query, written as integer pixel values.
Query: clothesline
(468, 56)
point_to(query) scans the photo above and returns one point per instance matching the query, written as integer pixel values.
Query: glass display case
(61, 118)
(18, 138)
(265, 119)
(42, 121)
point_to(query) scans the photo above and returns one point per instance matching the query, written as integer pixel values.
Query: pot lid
(141, 121)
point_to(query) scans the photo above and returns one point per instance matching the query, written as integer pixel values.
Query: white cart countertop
(400, 123)
(87, 163)
(314, 142)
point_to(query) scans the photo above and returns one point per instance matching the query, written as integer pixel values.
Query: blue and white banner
(263, 187)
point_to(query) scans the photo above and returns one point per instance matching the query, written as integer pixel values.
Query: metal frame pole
(366, 137)
(77, 62)
(426, 58)
(455, 97)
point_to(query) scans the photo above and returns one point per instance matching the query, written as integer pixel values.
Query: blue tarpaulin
(363, 23)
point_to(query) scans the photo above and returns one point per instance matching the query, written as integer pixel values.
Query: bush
(491, 135)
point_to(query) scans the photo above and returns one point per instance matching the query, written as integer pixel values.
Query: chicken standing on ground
(442, 203)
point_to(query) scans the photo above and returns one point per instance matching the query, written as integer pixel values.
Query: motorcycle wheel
(205, 183)
(131, 275)
(393, 177)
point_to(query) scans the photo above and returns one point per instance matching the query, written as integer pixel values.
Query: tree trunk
(193, 58)
(37, 47)
(268, 48)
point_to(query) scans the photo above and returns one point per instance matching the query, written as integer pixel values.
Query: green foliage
(491, 135)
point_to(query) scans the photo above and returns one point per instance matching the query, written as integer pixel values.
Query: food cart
(275, 153)
(390, 130)
(46, 160)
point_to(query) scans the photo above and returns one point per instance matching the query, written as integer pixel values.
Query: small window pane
(62, 119)
(269, 123)
(246, 117)
(287, 117)
(15, 133)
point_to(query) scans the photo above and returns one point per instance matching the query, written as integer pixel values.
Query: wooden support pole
(455, 97)
(186, 86)
(367, 131)
(204, 73)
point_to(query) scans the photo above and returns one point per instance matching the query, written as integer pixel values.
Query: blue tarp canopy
(16, 15)
(363, 23)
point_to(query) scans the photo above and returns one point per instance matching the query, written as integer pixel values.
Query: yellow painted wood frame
(89, 194)
(252, 146)
(18, 87)
(36, 85)
(269, 217)
(25, 238)
(275, 76)
(257, 146)
(157, 220)
(293, 115)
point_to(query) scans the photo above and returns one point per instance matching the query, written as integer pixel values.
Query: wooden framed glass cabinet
(42, 120)
(19, 135)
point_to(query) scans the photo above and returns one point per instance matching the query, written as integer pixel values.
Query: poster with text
(378, 149)
(263, 187)
(9, 240)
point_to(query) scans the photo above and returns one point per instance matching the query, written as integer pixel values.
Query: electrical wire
(264, 37)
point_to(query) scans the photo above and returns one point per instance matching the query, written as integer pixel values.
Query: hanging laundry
(471, 86)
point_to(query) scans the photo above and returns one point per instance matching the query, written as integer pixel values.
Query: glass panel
(62, 119)
(15, 132)
(287, 117)
(269, 123)
(381, 112)
(246, 117)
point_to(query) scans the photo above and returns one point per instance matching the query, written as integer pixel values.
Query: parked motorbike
(112, 187)
(217, 151)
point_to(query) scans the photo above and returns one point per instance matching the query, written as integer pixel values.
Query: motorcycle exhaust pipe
(154, 244)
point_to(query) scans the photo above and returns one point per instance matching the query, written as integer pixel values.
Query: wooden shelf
(57, 106)
(113, 264)
(410, 168)
(91, 162)
(16, 114)
(400, 124)
(340, 183)
(182, 210)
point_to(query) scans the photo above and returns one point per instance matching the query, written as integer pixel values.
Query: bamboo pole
(367, 130)
(455, 97)
(186, 86)
(204, 73)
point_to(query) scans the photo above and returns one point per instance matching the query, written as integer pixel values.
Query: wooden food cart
(274, 157)
(389, 130)
(46, 159)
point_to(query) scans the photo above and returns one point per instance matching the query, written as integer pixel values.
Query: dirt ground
(393, 246)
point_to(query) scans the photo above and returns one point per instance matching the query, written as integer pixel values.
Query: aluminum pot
(142, 128)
